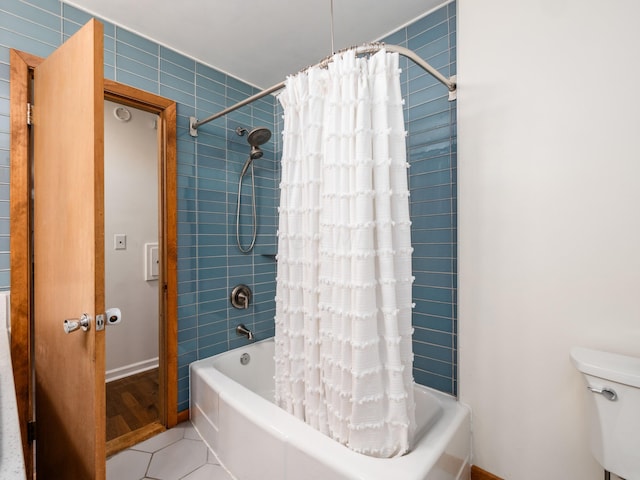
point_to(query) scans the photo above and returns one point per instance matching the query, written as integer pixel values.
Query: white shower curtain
(343, 295)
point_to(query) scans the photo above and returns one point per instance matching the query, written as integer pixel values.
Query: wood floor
(132, 403)
(479, 474)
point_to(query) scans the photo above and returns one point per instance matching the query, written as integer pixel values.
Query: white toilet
(613, 386)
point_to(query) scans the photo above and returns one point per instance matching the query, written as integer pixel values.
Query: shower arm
(450, 83)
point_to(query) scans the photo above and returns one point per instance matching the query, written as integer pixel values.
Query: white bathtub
(232, 408)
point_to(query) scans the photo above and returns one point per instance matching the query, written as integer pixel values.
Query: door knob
(73, 324)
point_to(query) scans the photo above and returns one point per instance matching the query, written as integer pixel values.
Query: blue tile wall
(431, 146)
(209, 262)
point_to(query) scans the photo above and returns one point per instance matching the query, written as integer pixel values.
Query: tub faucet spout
(243, 330)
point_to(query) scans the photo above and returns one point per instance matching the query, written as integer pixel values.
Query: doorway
(22, 66)
(131, 220)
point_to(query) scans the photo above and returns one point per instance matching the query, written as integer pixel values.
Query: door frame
(21, 74)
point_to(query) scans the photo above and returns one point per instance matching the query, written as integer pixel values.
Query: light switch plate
(151, 261)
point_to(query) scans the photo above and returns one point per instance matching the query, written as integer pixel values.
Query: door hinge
(29, 114)
(31, 431)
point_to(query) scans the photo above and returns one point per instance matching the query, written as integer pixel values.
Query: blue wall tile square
(29, 29)
(177, 58)
(429, 21)
(52, 6)
(137, 41)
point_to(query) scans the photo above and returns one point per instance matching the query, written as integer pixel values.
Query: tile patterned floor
(177, 454)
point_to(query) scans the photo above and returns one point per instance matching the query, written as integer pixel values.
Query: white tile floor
(177, 454)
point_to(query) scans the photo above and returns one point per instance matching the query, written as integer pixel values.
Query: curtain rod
(450, 83)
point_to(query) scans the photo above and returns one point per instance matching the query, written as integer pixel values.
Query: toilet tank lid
(611, 366)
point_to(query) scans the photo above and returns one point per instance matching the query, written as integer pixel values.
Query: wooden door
(68, 237)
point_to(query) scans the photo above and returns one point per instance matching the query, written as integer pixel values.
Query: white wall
(131, 207)
(549, 220)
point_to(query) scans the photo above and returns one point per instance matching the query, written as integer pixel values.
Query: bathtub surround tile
(431, 149)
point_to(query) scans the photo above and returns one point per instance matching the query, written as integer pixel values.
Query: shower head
(257, 136)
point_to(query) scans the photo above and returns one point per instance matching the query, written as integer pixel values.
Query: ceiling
(258, 41)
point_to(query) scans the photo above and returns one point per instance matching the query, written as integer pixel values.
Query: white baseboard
(132, 369)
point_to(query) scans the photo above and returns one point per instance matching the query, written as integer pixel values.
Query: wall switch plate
(119, 241)
(151, 261)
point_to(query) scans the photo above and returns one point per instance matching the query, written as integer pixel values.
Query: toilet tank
(613, 389)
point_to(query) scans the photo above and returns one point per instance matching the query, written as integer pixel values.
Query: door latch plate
(99, 322)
